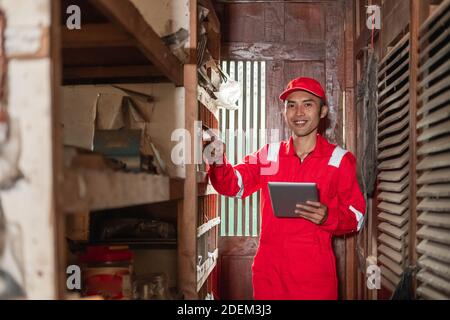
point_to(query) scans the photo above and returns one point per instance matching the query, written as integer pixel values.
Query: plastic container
(107, 272)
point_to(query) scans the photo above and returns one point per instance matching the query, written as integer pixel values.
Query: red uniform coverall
(295, 259)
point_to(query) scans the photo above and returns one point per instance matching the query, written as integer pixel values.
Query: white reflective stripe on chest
(273, 150)
(336, 157)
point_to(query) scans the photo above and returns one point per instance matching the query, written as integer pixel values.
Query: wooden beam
(81, 73)
(274, 51)
(103, 56)
(88, 189)
(96, 35)
(212, 16)
(125, 15)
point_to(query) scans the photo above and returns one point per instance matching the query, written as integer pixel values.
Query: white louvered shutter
(393, 163)
(433, 151)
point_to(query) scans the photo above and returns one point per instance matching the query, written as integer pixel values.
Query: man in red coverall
(295, 259)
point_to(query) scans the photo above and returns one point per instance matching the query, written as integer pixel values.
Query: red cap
(306, 84)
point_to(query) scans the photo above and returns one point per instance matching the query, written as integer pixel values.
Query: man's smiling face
(303, 111)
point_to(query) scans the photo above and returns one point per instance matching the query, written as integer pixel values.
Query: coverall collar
(318, 150)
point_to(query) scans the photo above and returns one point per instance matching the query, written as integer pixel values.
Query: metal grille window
(243, 131)
(433, 168)
(393, 163)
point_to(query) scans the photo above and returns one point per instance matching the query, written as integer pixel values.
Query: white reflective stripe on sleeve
(272, 153)
(336, 157)
(359, 217)
(240, 184)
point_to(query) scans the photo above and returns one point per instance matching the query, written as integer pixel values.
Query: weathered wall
(28, 205)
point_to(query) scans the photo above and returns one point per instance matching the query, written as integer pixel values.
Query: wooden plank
(435, 250)
(387, 274)
(275, 108)
(334, 35)
(395, 139)
(103, 56)
(396, 84)
(383, 103)
(393, 197)
(306, 22)
(440, 85)
(437, 116)
(239, 21)
(432, 76)
(399, 70)
(435, 205)
(236, 257)
(435, 176)
(430, 293)
(394, 219)
(396, 256)
(436, 102)
(441, 14)
(435, 219)
(395, 20)
(400, 54)
(430, 60)
(434, 162)
(402, 105)
(274, 51)
(391, 242)
(439, 235)
(396, 163)
(274, 22)
(112, 73)
(349, 135)
(396, 105)
(393, 128)
(434, 281)
(397, 209)
(434, 266)
(390, 264)
(394, 186)
(208, 267)
(104, 189)
(126, 16)
(398, 47)
(394, 151)
(394, 176)
(434, 131)
(440, 190)
(96, 35)
(393, 231)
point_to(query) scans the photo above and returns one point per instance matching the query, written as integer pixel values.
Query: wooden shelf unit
(115, 45)
(87, 189)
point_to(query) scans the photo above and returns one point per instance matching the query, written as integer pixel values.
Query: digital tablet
(285, 195)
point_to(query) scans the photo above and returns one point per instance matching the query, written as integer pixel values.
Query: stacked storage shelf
(119, 51)
(393, 163)
(208, 221)
(433, 152)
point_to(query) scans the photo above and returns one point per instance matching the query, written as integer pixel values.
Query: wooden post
(187, 218)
